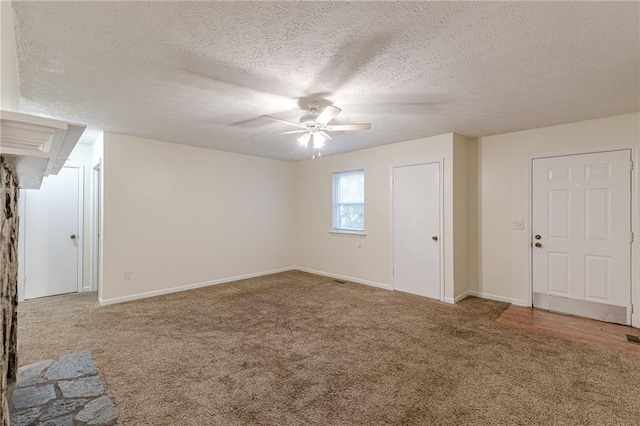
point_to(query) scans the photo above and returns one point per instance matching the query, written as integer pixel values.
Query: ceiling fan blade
(292, 131)
(327, 114)
(326, 135)
(280, 120)
(346, 127)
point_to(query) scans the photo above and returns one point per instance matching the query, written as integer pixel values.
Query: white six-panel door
(581, 235)
(416, 229)
(51, 226)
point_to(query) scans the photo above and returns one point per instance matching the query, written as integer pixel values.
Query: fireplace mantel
(36, 147)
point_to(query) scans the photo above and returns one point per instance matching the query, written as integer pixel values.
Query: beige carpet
(296, 348)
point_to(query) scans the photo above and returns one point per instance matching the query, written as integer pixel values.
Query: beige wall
(179, 216)
(473, 216)
(366, 259)
(503, 162)
(460, 213)
(151, 185)
(9, 88)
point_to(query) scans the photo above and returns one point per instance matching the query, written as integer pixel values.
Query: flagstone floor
(64, 392)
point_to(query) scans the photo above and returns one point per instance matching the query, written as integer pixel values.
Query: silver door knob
(73, 236)
(434, 238)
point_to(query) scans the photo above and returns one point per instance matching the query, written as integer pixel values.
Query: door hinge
(393, 272)
(632, 237)
(632, 308)
(631, 165)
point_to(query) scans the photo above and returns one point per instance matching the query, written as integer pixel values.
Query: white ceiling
(202, 73)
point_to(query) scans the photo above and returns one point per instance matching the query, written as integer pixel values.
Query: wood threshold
(584, 330)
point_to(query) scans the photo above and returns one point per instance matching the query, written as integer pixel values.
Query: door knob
(73, 236)
(434, 238)
(537, 237)
(538, 245)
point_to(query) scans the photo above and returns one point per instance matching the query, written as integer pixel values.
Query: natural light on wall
(348, 201)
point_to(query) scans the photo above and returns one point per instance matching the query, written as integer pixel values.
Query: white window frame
(335, 215)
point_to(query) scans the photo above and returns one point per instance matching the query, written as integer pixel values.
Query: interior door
(51, 227)
(582, 235)
(416, 229)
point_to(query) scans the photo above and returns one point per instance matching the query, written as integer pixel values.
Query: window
(348, 201)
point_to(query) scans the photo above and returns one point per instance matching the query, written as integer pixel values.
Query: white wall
(178, 216)
(365, 259)
(9, 87)
(503, 162)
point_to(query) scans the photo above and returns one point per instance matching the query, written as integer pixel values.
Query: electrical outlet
(518, 225)
(128, 276)
(281, 255)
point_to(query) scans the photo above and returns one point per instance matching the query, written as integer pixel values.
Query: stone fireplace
(30, 149)
(8, 283)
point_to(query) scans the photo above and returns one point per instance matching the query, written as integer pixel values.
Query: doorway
(581, 235)
(52, 237)
(417, 242)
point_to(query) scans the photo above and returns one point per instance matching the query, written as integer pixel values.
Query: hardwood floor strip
(582, 330)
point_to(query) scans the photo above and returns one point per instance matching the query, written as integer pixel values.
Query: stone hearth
(68, 391)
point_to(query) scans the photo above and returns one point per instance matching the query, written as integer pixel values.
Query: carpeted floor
(295, 348)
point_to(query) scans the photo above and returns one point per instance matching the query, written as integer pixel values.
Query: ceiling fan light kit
(304, 139)
(315, 126)
(318, 141)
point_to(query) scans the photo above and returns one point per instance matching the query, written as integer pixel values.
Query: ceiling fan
(315, 125)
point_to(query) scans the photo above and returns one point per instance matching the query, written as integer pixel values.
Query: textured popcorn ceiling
(202, 73)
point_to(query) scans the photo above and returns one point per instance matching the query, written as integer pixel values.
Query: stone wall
(8, 285)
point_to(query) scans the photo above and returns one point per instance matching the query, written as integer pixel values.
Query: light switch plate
(518, 225)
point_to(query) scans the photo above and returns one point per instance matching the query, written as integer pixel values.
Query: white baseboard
(344, 277)
(453, 301)
(137, 296)
(490, 296)
(170, 290)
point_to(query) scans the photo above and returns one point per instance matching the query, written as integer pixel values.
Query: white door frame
(635, 220)
(96, 207)
(440, 162)
(22, 229)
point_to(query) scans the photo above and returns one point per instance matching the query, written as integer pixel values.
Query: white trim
(355, 280)
(334, 210)
(635, 220)
(489, 296)
(22, 231)
(440, 162)
(344, 277)
(357, 234)
(453, 301)
(186, 287)
(94, 249)
(80, 235)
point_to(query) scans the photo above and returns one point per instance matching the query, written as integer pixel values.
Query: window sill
(340, 233)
